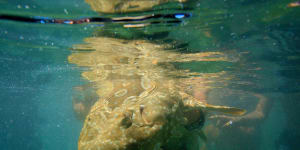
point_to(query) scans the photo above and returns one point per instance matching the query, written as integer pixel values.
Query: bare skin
(246, 124)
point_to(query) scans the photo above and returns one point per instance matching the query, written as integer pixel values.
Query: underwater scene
(150, 75)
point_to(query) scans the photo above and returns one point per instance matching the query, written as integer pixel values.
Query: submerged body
(142, 104)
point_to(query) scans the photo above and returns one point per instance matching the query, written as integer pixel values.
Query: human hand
(246, 123)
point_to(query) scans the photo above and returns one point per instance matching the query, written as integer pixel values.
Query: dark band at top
(46, 20)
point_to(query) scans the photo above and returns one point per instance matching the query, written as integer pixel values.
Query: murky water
(242, 54)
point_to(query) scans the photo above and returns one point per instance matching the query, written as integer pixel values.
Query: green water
(260, 38)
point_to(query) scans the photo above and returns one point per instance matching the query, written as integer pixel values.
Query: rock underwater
(141, 104)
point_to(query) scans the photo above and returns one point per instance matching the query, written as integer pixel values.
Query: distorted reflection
(124, 6)
(143, 101)
(154, 74)
(140, 97)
